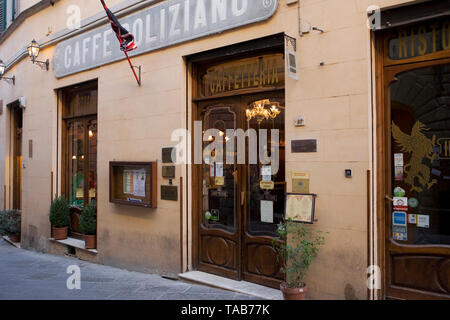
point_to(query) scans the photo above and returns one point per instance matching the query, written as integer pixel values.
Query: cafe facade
(227, 107)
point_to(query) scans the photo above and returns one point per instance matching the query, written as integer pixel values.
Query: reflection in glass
(420, 153)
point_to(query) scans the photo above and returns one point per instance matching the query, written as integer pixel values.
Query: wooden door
(234, 238)
(219, 196)
(17, 132)
(417, 238)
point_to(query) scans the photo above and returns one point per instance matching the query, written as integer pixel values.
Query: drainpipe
(300, 33)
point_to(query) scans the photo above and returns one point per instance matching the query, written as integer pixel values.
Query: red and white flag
(126, 39)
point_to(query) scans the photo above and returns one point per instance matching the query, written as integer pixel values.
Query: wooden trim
(380, 167)
(240, 93)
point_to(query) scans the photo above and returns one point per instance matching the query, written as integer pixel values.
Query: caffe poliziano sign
(167, 23)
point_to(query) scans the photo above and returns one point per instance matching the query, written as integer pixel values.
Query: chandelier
(263, 110)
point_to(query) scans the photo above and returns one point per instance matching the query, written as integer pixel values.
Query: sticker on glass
(413, 202)
(399, 192)
(401, 204)
(423, 221)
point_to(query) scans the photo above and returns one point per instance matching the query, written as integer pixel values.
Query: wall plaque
(169, 193)
(303, 146)
(159, 26)
(168, 172)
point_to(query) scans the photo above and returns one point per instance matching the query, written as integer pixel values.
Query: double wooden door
(417, 220)
(241, 188)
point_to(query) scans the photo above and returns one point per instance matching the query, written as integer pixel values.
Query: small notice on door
(266, 211)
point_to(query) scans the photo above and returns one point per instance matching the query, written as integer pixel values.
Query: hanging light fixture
(33, 53)
(2, 72)
(263, 110)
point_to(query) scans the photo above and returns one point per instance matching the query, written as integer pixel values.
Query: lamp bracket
(11, 79)
(43, 64)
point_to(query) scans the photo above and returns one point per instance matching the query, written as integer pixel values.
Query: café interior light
(263, 110)
(2, 72)
(33, 52)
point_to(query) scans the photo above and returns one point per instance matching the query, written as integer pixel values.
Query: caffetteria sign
(168, 23)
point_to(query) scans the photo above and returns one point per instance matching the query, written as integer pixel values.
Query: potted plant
(59, 218)
(297, 246)
(13, 225)
(88, 224)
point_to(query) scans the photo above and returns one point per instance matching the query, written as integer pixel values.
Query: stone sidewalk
(27, 275)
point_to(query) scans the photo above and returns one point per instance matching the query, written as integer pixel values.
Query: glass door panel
(219, 182)
(420, 102)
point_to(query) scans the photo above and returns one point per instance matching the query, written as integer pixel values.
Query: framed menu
(300, 207)
(133, 183)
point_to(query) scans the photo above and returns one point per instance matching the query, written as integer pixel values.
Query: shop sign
(251, 73)
(419, 40)
(159, 26)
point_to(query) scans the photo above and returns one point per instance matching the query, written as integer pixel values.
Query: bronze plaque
(167, 155)
(168, 172)
(304, 146)
(169, 193)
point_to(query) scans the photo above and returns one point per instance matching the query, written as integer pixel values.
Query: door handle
(242, 198)
(389, 198)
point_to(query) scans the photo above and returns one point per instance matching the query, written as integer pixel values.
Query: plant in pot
(13, 225)
(88, 224)
(59, 218)
(297, 246)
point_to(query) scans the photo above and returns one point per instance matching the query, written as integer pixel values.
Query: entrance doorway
(414, 161)
(16, 155)
(239, 204)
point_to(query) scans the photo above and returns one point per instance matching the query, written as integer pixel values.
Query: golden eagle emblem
(420, 147)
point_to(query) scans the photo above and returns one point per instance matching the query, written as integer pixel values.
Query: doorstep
(15, 244)
(74, 243)
(232, 285)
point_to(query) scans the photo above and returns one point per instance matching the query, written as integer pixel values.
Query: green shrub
(297, 246)
(10, 222)
(88, 220)
(59, 213)
(3, 223)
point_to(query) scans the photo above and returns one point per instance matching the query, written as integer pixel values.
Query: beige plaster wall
(134, 123)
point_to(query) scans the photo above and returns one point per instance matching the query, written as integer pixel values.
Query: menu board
(133, 183)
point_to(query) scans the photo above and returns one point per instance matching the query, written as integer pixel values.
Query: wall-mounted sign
(303, 146)
(167, 23)
(257, 72)
(133, 183)
(300, 207)
(169, 193)
(168, 172)
(420, 40)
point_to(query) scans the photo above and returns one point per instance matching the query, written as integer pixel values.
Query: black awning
(409, 14)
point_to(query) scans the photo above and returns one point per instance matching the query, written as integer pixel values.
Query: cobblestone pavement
(34, 276)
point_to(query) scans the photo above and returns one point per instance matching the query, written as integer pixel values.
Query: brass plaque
(167, 155)
(168, 172)
(267, 185)
(169, 193)
(304, 146)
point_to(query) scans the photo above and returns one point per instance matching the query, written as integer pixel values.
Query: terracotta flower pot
(60, 233)
(293, 293)
(15, 237)
(90, 242)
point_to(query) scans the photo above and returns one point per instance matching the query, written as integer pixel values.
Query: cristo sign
(167, 23)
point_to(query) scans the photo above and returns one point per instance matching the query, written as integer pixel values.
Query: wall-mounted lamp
(33, 52)
(2, 72)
